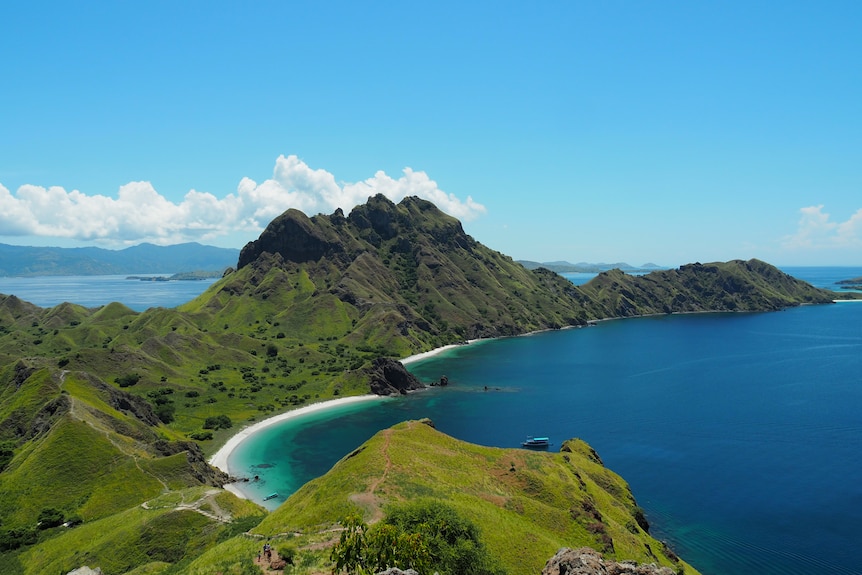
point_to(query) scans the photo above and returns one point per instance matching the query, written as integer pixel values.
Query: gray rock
(86, 571)
(586, 561)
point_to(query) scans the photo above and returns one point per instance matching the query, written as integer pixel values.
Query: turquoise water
(740, 434)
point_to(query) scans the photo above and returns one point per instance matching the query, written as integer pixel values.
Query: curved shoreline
(220, 458)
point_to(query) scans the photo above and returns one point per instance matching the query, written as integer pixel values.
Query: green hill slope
(526, 504)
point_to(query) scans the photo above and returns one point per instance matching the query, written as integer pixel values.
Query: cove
(738, 433)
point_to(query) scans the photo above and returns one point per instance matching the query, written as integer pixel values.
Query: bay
(739, 434)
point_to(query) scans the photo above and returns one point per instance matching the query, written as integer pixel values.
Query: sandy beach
(220, 458)
(433, 352)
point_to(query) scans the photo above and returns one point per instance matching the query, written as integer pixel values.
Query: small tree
(50, 517)
(218, 422)
(362, 550)
(127, 380)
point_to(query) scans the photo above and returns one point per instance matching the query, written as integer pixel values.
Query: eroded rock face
(390, 377)
(586, 561)
(294, 236)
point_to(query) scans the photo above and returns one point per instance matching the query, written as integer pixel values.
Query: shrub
(452, 541)
(7, 452)
(127, 380)
(427, 536)
(218, 422)
(50, 517)
(165, 412)
(14, 538)
(202, 435)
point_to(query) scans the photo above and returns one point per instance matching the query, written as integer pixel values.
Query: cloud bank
(139, 213)
(816, 230)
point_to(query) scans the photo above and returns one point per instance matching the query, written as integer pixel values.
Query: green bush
(14, 538)
(50, 517)
(127, 380)
(7, 452)
(218, 422)
(165, 412)
(427, 536)
(452, 541)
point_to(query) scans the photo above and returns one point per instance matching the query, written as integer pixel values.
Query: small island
(182, 276)
(851, 284)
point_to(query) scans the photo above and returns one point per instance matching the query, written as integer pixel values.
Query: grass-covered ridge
(104, 409)
(527, 504)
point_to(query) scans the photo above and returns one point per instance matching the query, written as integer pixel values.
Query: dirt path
(374, 484)
(266, 564)
(368, 499)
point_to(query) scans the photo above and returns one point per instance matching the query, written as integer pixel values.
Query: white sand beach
(220, 458)
(433, 352)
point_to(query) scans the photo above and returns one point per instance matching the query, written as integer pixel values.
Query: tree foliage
(427, 536)
(218, 422)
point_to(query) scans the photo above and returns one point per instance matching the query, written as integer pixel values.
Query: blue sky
(665, 132)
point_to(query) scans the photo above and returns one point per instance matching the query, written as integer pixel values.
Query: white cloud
(140, 213)
(816, 230)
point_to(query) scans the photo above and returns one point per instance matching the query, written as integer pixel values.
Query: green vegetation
(105, 410)
(426, 536)
(517, 506)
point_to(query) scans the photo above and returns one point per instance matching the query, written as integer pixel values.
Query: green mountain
(106, 415)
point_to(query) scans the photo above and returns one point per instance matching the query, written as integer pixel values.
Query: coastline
(220, 458)
(433, 352)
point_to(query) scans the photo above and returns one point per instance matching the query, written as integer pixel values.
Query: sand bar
(220, 458)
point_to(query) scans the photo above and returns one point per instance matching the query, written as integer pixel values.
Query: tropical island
(108, 416)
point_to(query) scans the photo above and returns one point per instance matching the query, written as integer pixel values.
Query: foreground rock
(586, 561)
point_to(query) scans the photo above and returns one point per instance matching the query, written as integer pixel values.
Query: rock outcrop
(390, 377)
(586, 561)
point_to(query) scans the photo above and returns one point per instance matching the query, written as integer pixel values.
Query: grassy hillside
(527, 504)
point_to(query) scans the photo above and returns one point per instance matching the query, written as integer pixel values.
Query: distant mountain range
(189, 257)
(583, 267)
(140, 259)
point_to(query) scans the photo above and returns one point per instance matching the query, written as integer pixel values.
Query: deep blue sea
(740, 434)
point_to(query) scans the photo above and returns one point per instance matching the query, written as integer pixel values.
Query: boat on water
(536, 443)
(270, 496)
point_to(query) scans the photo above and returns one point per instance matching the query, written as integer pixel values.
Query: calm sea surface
(96, 291)
(740, 434)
